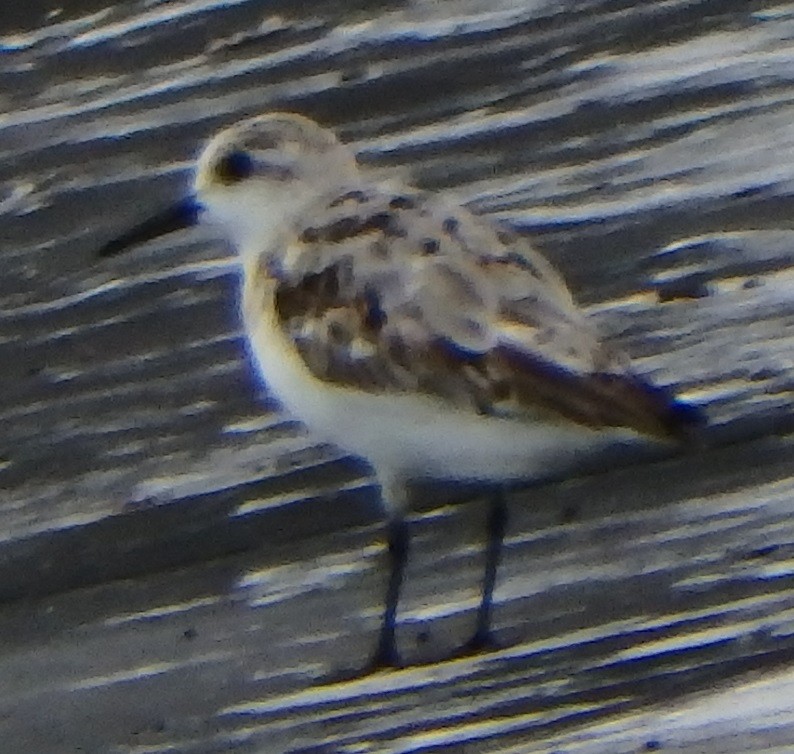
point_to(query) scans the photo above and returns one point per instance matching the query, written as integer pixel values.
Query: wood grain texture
(181, 567)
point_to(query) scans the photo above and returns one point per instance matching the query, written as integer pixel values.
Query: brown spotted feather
(397, 293)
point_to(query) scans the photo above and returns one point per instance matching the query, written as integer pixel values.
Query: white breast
(407, 436)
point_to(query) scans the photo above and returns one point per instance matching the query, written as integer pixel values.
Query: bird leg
(482, 638)
(386, 655)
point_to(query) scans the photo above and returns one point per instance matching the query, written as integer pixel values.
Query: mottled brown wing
(397, 293)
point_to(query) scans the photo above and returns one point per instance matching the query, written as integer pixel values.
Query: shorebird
(432, 342)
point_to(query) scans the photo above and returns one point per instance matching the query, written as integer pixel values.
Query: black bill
(176, 217)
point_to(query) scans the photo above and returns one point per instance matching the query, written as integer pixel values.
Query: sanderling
(428, 340)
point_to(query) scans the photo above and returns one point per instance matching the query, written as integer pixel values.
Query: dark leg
(497, 523)
(399, 538)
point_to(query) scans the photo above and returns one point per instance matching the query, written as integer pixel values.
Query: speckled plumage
(390, 290)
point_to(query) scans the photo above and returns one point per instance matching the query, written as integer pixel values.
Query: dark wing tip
(677, 419)
(603, 399)
(687, 414)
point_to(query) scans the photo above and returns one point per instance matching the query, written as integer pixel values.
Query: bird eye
(234, 167)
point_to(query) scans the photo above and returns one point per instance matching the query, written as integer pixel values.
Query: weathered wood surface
(181, 566)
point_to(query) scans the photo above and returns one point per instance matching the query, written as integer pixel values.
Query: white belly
(409, 436)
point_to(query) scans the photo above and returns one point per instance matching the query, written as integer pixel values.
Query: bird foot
(385, 657)
(482, 641)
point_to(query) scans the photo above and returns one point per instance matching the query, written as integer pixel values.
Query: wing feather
(397, 293)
